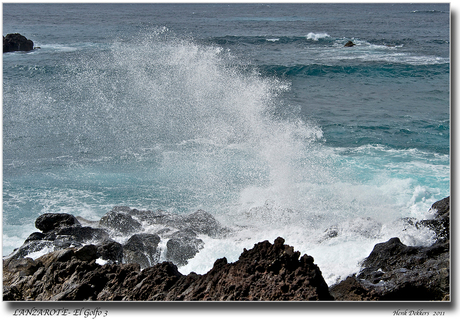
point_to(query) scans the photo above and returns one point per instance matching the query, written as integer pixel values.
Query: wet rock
(120, 221)
(142, 249)
(266, 272)
(34, 237)
(200, 222)
(182, 246)
(394, 271)
(83, 234)
(17, 42)
(110, 251)
(349, 44)
(31, 247)
(51, 221)
(87, 253)
(441, 221)
(60, 231)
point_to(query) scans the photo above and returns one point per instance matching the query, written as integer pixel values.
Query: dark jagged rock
(142, 249)
(50, 221)
(110, 250)
(182, 246)
(266, 272)
(394, 271)
(440, 223)
(200, 222)
(17, 42)
(120, 221)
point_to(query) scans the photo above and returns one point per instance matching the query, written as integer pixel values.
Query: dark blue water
(255, 113)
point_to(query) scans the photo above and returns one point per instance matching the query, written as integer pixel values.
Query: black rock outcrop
(133, 271)
(17, 42)
(269, 272)
(143, 229)
(394, 271)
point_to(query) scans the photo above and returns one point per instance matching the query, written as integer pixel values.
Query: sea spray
(165, 122)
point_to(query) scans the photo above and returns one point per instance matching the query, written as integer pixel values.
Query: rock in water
(394, 271)
(182, 246)
(142, 249)
(121, 222)
(349, 44)
(441, 221)
(17, 42)
(49, 221)
(267, 272)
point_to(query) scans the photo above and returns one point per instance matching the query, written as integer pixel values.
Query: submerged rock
(349, 44)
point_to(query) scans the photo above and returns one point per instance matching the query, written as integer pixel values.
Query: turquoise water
(254, 113)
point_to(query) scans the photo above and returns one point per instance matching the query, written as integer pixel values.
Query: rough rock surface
(182, 246)
(143, 229)
(394, 271)
(17, 42)
(267, 272)
(142, 249)
(60, 231)
(121, 222)
(73, 271)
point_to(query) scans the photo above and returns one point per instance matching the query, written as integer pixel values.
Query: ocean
(255, 113)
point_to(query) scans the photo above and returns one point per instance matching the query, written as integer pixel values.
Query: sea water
(255, 113)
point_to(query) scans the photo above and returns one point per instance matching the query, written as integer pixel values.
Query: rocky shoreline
(84, 262)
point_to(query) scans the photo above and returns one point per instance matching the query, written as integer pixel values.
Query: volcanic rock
(394, 271)
(17, 42)
(50, 221)
(441, 221)
(110, 250)
(267, 272)
(182, 246)
(142, 249)
(121, 222)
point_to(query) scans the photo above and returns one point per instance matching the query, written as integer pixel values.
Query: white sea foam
(317, 36)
